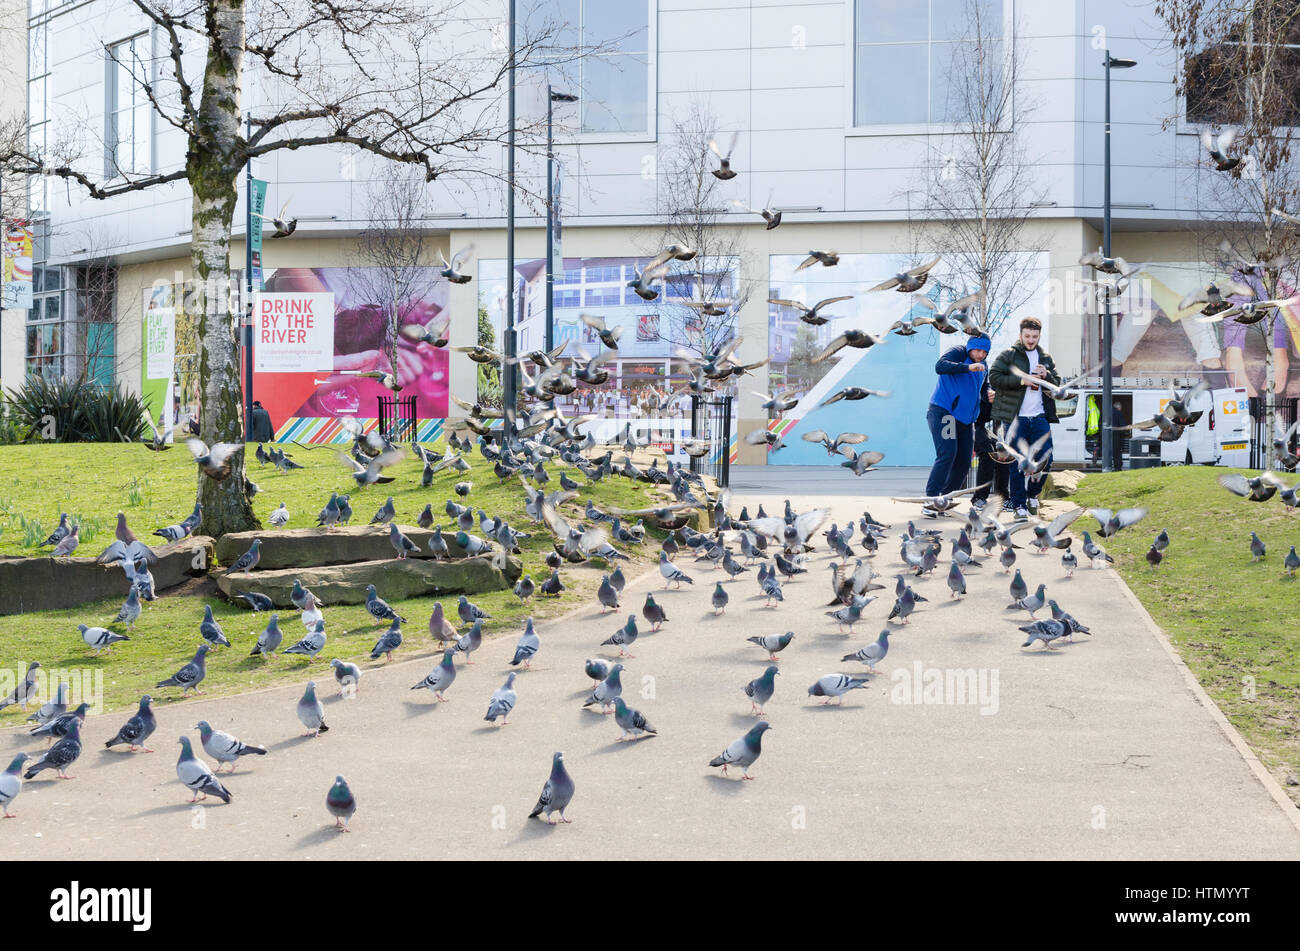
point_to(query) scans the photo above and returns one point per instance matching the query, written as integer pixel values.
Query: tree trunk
(214, 160)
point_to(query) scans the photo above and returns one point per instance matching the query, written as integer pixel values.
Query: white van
(1220, 437)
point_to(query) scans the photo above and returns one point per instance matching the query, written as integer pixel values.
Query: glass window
(907, 52)
(128, 113)
(601, 297)
(613, 84)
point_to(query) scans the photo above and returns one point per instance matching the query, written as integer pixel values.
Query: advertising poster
(647, 371)
(17, 257)
(159, 365)
(327, 326)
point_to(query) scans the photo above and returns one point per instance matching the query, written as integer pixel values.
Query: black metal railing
(397, 417)
(1261, 444)
(711, 422)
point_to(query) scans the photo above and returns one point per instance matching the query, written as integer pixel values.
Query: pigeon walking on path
(503, 701)
(11, 784)
(744, 751)
(197, 776)
(772, 643)
(760, 690)
(61, 755)
(311, 712)
(556, 794)
(138, 729)
(441, 677)
(223, 747)
(340, 803)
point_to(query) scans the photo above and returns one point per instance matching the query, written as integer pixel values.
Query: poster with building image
(903, 365)
(648, 371)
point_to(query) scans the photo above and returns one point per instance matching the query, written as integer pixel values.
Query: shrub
(77, 411)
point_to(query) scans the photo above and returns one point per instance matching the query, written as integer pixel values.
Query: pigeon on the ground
(524, 588)
(439, 626)
(720, 598)
(1257, 549)
(340, 803)
(671, 573)
(744, 751)
(1032, 602)
(61, 755)
(527, 646)
(772, 643)
(302, 598)
(280, 517)
(347, 675)
(312, 644)
(191, 675)
(52, 708)
(502, 702)
(249, 559)
(760, 690)
(1046, 630)
(1069, 561)
(129, 613)
(401, 544)
(100, 638)
(378, 608)
(311, 712)
(873, 653)
(470, 612)
(556, 794)
(210, 630)
(835, 685)
(1072, 624)
(138, 729)
(257, 601)
(441, 677)
(632, 722)
(197, 776)
(268, 642)
(1094, 551)
(956, 581)
(605, 691)
(470, 641)
(11, 784)
(595, 668)
(388, 642)
(653, 612)
(624, 637)
(385, 513)
(26, 689)
(223, 747)
(607, 595)
(60, 725)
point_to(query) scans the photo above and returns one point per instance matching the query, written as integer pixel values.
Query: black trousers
(997, 473)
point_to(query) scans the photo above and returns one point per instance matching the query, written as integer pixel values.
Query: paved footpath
(1098, 750)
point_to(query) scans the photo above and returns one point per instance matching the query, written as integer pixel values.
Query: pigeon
(257, 601)
(1154, 556)
(425, 518)
(469, 612)
(849, 614)
(744, 751)
(1069, 561)
(605, 691)
(129, 613)
(68, 544)
(197, 776)
(138, 729)
(632, 722)
(872, 654)
(956, 580)
(401, 544)
(1046, 630)
(671, 573)
(556, 794)
(502, 702)
(1162, 540)
(772, 643)
(653, 612)
(100, 638)
(26, 690)
(607, 595)
(1259, 489)
(760, 690)
(720, 599)
(1018, 588)
(191, 675)
(552, 586)
(59, 725)
(378, 608)
(11, 783)
(329, 515)
(249, 559)
(1112, 522)
(312, 644)
(302, 598)
(61, 755)
(214, 462)
(385, 513)
(223, 747)
(1257, 549)
(904, 605)
(340, 803)
(280, 517)
(441, 677)
(1094, 551)
(1007, 558)
(624, 637)
(470, 641)
(310, 711)
(174, 533)
(60, 533)
(526, 647)
(1071, 622)
(524, 588)
(210, 630)
(1291, 562)
(1217, 146)
(52, 708)
(836, 685)
(617, 579)
(347, 675)
(345, 509)
(388, 642)
(439, 626)
(595, 668)
(269, 640)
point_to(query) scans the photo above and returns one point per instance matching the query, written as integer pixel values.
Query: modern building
(841, 115)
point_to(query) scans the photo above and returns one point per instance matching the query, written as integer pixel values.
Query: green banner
(256, 208)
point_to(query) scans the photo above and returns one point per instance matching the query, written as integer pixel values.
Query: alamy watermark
(946, 686)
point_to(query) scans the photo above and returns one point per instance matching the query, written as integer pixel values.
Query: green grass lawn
(1233, 622)
(93, 483)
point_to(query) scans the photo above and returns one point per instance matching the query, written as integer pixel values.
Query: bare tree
(693, 204)
(393, 86)
(979, 184)
(1240, 69)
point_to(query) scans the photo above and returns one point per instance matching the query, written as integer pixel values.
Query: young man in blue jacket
(954, 406)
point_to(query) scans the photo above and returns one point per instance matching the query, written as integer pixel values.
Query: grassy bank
(1234, 622)
(93, 483)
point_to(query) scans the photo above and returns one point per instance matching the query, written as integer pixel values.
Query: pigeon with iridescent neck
(11, 784)
(61, 755)
(311, 712)
(502, 701)
(197, 776)
(138, 729)
(223, 747)
(744, 751)
(340, 803)
(556, 794)
(527, 647)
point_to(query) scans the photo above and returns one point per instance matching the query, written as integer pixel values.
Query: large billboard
(648, 368)
(902, 365)
(17, 260)
(1156, 339)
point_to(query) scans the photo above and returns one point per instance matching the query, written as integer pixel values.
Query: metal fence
(1261, 444)
(711, 421)
(397, 417)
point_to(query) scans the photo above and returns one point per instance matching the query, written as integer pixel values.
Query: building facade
(839, 113)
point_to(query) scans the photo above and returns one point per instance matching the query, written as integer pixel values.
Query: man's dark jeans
(1030, 429)
(952, 450)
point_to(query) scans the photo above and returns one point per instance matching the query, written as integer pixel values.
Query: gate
(397, 418)
(711, 422)
(1261, 443)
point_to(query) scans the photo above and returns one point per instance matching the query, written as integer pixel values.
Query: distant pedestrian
(954, 406)
(263, 431)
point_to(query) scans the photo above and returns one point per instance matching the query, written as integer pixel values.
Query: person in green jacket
(1030, 407)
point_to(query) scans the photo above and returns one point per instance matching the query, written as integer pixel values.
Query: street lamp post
(1107, 334)
(552, 96)
(507, 364)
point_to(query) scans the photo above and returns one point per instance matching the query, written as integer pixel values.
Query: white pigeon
(280, 517)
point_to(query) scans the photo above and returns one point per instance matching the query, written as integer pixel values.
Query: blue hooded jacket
(958, 390)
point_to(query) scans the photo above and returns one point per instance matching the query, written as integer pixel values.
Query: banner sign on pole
(256, 207)
(17, 264)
